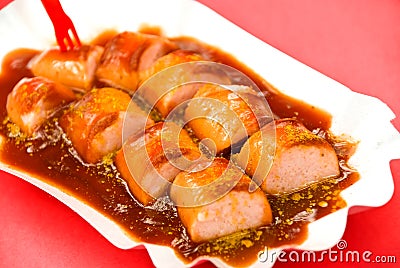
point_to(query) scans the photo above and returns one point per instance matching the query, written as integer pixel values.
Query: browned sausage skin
(34, 100)
(165, 99)
(75, 68)
(168, 60)
(127, 54)
(222, 114)
(95, 123)
(144, 161)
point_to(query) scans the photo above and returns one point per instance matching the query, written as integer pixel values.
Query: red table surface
(356, 42)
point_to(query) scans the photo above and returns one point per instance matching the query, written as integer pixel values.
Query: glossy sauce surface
(52, 160)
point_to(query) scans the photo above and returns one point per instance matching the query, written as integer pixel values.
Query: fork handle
(53, 9)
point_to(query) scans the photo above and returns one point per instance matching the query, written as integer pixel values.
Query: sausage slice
(33, 100)
(236, 210)
(301, 157)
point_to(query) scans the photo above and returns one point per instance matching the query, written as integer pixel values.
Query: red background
(356, 42)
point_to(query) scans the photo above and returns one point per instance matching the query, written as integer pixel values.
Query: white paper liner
(24, 23)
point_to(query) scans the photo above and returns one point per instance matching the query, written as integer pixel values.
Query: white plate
(364, 118)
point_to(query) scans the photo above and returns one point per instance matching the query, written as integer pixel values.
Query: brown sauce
(52, 160)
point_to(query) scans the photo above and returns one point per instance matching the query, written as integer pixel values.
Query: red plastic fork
(66, 35)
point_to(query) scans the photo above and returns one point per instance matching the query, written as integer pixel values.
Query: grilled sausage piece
(75, 68)
(168, 60)
(95, 123)
(228, 208)
(225, 114)
(144, 160)
(158, 93)
(127, 54)
(33, 100)
(300, 158)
